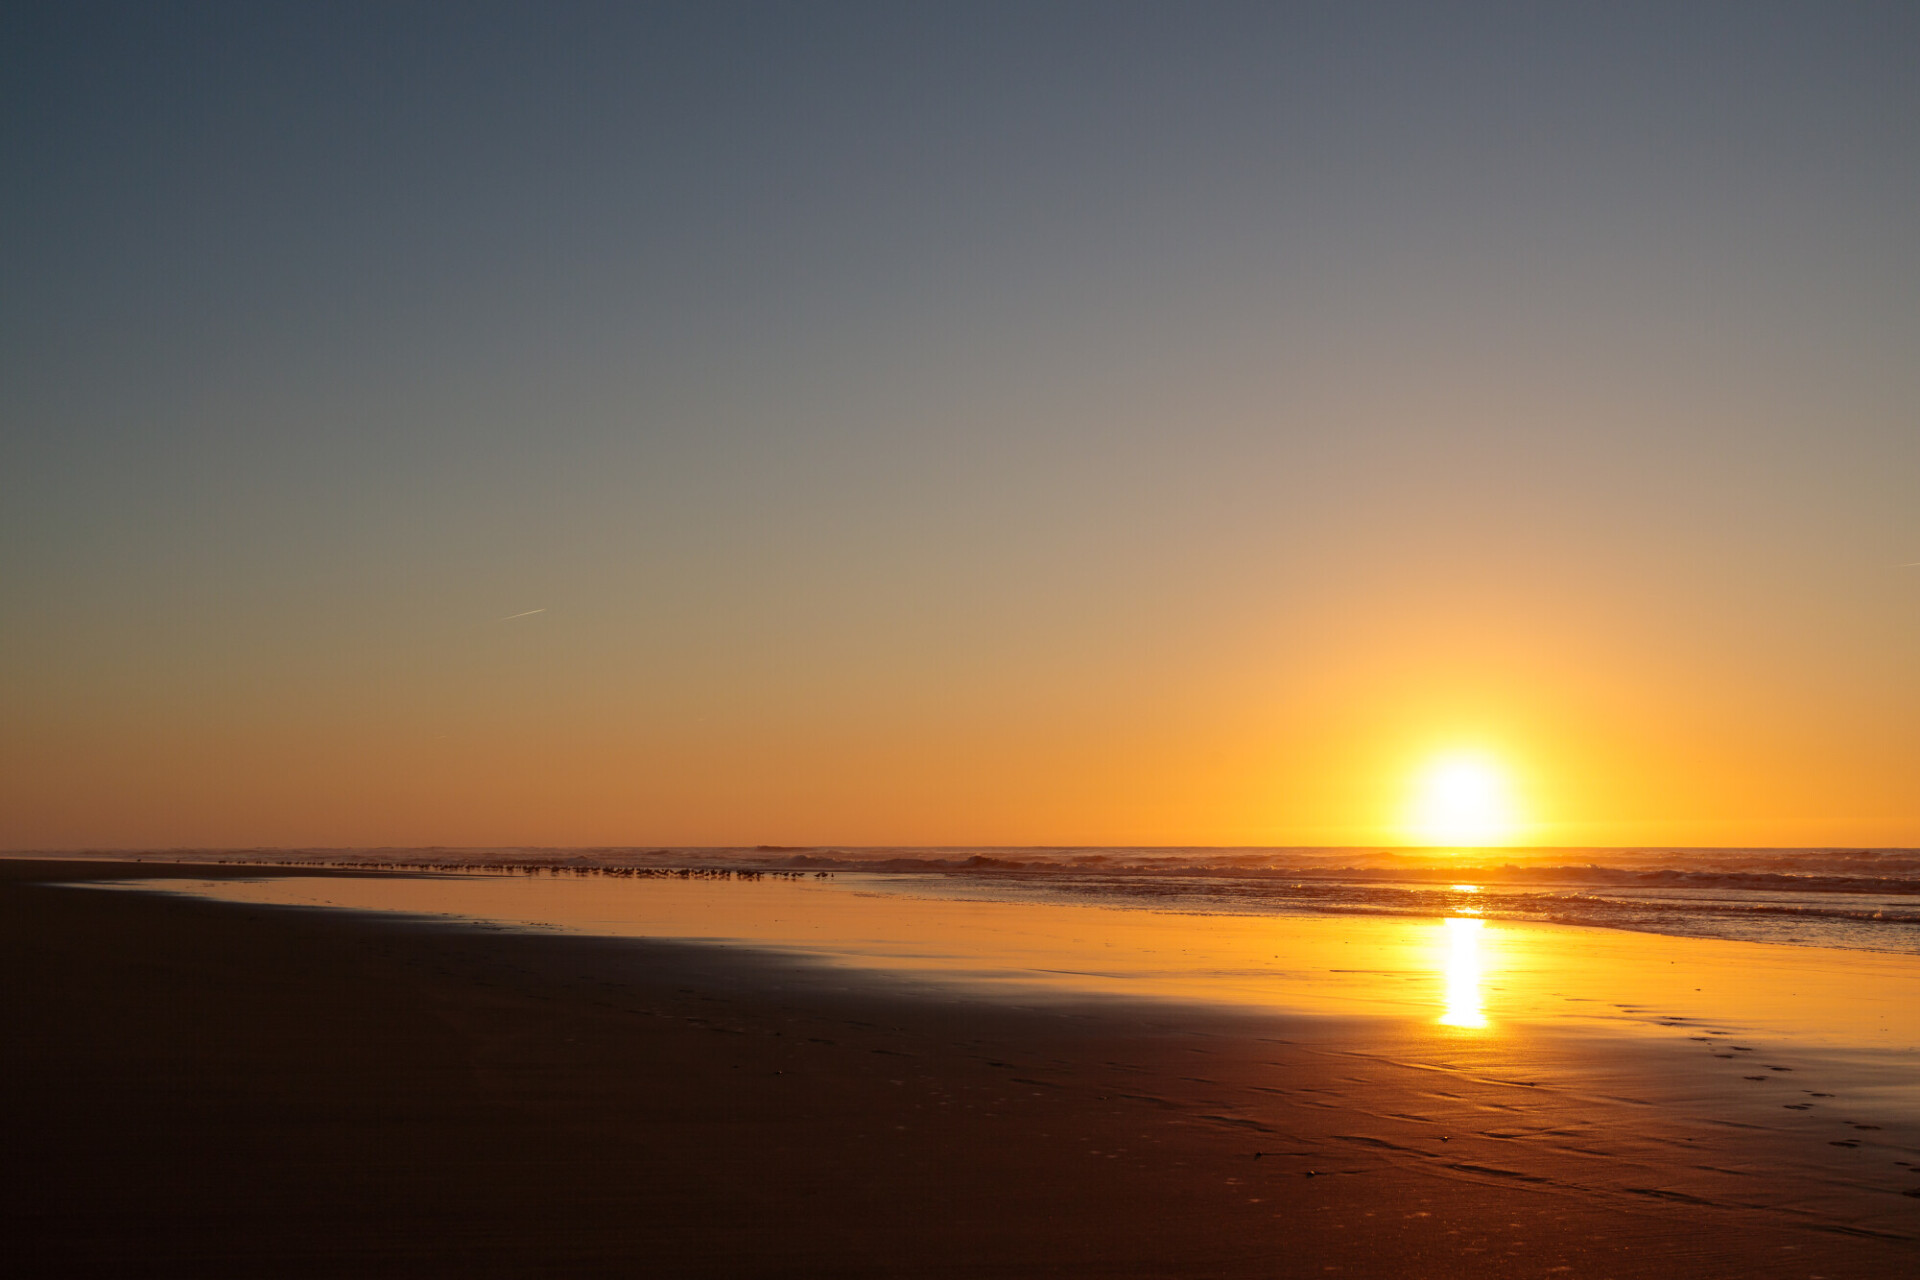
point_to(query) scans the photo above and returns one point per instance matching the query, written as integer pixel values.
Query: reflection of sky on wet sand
(1462, 973)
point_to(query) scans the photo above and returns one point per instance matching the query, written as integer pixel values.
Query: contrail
(528, 614)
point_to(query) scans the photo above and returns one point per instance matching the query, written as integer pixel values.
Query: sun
(1462, 800)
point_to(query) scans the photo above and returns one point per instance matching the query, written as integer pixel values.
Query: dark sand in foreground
(196, 1088)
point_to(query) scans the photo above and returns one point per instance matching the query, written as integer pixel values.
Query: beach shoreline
(225, 1089)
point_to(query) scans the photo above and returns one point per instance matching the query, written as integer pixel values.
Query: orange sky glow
(984, 427)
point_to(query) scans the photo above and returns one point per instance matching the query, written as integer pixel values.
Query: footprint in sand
(1779, 1068)
(1753, 1077)
(1799, 1106)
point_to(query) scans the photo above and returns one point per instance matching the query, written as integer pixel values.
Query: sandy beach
(218, 1089)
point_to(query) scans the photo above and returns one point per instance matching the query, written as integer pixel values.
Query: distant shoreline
(1850, 899)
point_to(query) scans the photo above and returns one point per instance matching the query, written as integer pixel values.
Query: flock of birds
(554, 869)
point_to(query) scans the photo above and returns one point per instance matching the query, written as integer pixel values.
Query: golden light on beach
(1462, 966)
(1462, 801)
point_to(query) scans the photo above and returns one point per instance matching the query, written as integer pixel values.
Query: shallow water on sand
(1466, 977)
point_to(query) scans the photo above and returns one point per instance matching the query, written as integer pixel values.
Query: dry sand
(198, 1088)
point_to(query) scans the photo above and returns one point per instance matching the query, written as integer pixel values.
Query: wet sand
(199, 1088)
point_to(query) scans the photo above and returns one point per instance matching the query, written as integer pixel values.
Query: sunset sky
(958, 423)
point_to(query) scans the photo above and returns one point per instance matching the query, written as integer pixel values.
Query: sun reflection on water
(1463, 966)
(1461, 907)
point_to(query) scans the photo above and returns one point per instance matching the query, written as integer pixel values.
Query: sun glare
(1463, 968)
(1462, 801)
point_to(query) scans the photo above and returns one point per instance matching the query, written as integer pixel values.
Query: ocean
(1860, 899)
